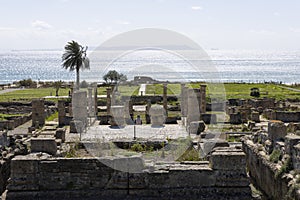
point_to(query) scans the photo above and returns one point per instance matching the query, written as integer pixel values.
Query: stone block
(47, 145)
(222, 160)
(193, 111)
(3, 138)
(296, 156)
(157, 115)
(196, 127)
(209, 118)
(255, 116)
(38, 112)
(276, 130)
(118, 116)
(76, 126)
(60, 133)
(289, 143)
(235, 118)
(212, 143)
(79, 105)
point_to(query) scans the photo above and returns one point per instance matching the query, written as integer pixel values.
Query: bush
(286, 167)
(26, 82)
(275, 156)
(137, 147)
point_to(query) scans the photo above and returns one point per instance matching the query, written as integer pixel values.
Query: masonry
(88, 178)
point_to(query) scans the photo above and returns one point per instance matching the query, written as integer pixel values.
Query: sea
(249, 66)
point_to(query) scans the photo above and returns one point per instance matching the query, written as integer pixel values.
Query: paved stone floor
(146, 132)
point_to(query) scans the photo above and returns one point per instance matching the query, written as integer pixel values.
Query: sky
(217, 24)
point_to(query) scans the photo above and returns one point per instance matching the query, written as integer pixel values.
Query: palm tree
(75, 58)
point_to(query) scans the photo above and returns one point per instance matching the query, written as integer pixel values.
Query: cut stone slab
(276, 130)
(47, 145)
(196, 127)
(221, 160)
(61, 134)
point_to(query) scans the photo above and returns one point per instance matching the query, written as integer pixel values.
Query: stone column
(80, 114)
(147, 115)
(96, 101)
(193, 113)
(165, 99)
(117, 118)
(91, 103)
(202, 102)
(38, 112)
(108, 100)
(157, 114)
(61, 112)
(182, 99)
(185, 101)
(128, 116)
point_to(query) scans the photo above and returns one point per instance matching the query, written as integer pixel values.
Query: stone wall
(88, 178)
(14, 122)
(263, 173)
(286, 116)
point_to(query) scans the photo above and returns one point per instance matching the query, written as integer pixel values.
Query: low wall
(286, 116)
(89, 178)
(263, 173)
(14, 122)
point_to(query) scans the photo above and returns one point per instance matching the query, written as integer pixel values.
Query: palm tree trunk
(77, 78)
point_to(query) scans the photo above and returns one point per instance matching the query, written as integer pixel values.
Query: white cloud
(295, 30)
(262, 32)
(276, 14)
(41, 25)
(197, 8)
(6, 29)
(122, 22)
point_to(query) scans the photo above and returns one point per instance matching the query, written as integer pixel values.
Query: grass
(29, 94)
(190, 154)
(52, 117)
(125, 90)
(5, 116)
(232, 90)
(157, 89)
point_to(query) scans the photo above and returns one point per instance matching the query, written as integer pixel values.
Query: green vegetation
(157, 89)
(233, 90)
(72, 152)
(233, 139)
(190, 154)
(75, 58)
(5, 116)
(286, 167)
(113, 76)
(141, 148)
(275, 156)
(52, 117)
(29, 94)
(125, 90)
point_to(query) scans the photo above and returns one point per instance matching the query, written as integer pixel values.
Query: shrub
(137, 147)
(286, 167)
(275, 156)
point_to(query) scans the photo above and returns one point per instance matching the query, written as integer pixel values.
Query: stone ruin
(52, 177)
(48, 178)
(273, 160)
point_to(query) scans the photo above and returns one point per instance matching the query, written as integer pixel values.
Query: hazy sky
(223, 24)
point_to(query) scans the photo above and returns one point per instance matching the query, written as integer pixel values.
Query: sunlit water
(228, 66)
